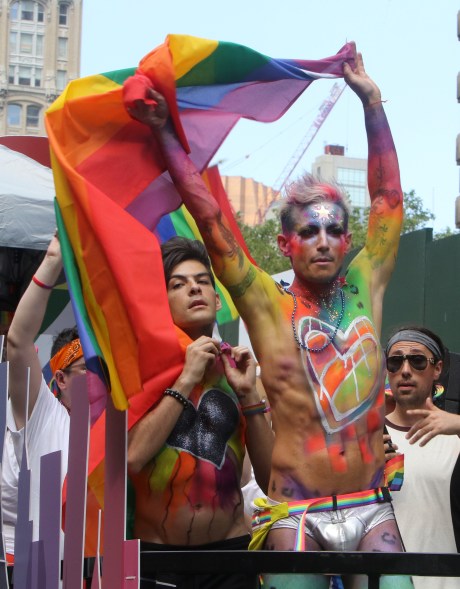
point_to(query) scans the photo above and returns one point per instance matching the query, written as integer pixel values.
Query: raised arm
(386, 215)
(24, 330)
(229, 262)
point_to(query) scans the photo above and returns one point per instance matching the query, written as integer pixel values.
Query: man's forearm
(186, 177)
(32, 306)
(383, 167)
(21, 338)
(213, 225)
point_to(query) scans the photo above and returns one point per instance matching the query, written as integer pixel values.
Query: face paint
(328, 213)
(318, 242)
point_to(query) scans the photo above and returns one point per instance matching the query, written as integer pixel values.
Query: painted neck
(322, 291)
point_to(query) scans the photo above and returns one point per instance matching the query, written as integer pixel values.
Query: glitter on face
(327, 213)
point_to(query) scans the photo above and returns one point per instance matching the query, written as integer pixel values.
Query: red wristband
(41, 284)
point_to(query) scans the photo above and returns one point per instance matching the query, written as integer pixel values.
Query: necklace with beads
(294, 330)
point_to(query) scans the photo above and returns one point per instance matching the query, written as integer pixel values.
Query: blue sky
(410, 48)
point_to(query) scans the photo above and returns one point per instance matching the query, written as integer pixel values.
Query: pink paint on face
(318, 242)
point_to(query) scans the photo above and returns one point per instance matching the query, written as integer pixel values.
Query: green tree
(261, 239)
(357, 225)
(415, 217)
(446, 232)
(262, 243)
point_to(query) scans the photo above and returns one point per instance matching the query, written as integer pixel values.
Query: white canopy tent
(27, 222)
(26, 202)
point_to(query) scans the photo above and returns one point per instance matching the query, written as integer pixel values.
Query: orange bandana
(66, 356)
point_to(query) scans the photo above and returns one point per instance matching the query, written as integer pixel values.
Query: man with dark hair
(179, 249)
(185, 456)
(428, 438)
(48, 416)
(317, 343)
(64, 337)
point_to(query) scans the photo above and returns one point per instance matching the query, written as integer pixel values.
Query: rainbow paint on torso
(345, 374)
(199, 468)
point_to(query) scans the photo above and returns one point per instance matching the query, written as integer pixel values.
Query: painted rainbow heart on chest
(206, 430)
(347, 375)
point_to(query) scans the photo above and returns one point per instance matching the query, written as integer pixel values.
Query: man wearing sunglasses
(428, 438)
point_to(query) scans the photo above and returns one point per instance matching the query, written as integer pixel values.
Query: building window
(26, 43)
(14, 10)
(354, 182)
(351, 176)
(14, 115)
(63, 14)
(27, 10)
(25, 76)
(39, 45)
(62, 47)
(13, 42)
(33, 116)
(29, 44)
(61, 80)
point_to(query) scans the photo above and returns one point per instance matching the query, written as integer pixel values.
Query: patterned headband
(66, 356)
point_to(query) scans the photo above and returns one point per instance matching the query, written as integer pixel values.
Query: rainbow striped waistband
(332, 503)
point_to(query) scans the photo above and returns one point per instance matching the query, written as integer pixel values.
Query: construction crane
(324, 110)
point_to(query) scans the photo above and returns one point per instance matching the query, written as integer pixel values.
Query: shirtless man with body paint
(185, 456)
(317, 343)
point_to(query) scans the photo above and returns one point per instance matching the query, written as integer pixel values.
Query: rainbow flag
(112, 190)
(394, 473)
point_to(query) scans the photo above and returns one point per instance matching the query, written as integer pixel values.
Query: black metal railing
(251, 564)
(371, 564)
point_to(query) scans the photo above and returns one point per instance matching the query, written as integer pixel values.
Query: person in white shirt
(428, 438)
(48, 414)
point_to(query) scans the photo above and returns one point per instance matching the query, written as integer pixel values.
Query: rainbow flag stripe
(394, 473)
(112, 190)
(306, 506)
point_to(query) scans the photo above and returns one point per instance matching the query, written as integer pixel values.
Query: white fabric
(422, 506)
(251, 491)
(26, 202)
(47, 431)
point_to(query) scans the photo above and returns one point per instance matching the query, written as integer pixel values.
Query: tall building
(249, 198)
(349, 172)
(39, 53)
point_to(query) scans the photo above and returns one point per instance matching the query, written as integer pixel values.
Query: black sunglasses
(417, 361)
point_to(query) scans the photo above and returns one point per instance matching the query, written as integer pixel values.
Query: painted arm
(229, 262)
(23, 332)
(149, 435)
(386, 214)
(259, 435)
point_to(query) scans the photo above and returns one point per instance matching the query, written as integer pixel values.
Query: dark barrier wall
(406, 294)
(425, 290)
(442, 284)
(425, 286)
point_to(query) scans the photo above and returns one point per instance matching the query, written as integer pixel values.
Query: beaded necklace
(294, 330)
